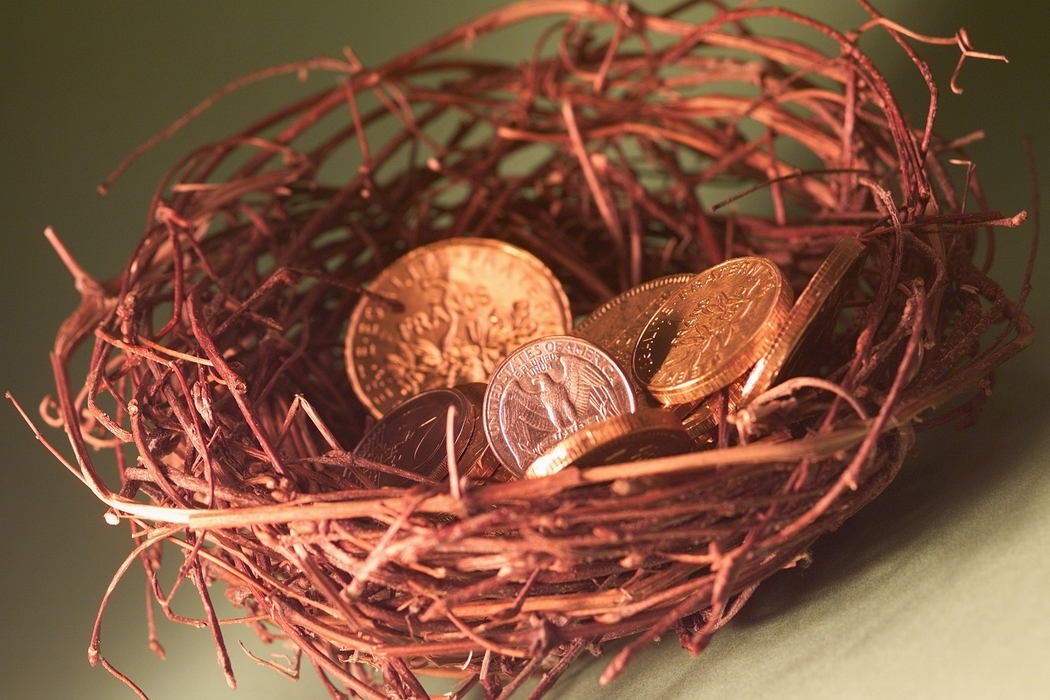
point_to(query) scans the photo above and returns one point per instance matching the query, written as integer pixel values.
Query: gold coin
(466, 304)
(413, 436)
(711, 330)
(707, 415)
(805, 328)
(628, 437)
(616, 325)
(546, 390)
(809, 321)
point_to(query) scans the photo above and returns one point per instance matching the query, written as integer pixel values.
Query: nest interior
(218, 353)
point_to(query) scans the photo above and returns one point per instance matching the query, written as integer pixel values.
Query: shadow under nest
(219, 352)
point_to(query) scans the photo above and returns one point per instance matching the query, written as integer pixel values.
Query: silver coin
(545, 391)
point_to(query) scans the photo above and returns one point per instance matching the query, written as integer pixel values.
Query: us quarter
(547, 390)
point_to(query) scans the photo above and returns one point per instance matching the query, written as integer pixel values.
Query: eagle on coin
(553, 403)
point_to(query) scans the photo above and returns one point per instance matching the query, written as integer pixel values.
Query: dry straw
(218, 353)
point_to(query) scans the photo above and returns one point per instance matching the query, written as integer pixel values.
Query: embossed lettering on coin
(412, 437)
(547, 390)
(711, 330)
(468, 302)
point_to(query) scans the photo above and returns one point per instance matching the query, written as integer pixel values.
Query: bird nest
(218, 353)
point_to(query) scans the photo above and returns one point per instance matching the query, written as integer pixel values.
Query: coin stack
(465, 351)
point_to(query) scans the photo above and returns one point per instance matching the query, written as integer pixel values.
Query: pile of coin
(465, 350)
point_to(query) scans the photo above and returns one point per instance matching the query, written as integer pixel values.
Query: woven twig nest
(219, 352)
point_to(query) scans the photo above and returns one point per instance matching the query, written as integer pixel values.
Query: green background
(936, 590)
